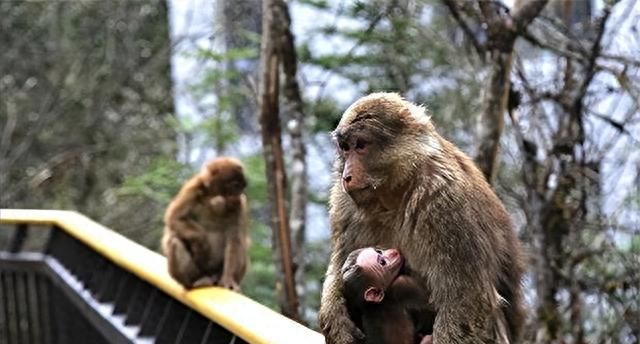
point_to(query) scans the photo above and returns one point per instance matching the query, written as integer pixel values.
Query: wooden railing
(67, 279)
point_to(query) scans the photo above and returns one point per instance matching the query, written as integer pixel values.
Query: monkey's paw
(204, 282)
(217, 204)
(428, 339)
(229, 283)
(342, 330)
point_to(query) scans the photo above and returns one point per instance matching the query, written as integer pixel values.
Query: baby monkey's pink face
(385, 265)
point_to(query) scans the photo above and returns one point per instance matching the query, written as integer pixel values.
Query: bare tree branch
(595, 51)
(455, 13)
(502, 32)
(274, 161)
(526, 14)
(296, 128)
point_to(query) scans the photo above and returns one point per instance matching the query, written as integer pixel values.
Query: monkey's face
(355, 158)
(224, 177)
(382, 267)
(383, 142)
(370, 140)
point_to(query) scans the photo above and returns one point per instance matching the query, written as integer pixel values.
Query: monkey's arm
(462, 281)
(464, 314)
(176, 216)
(234, 261)
(235, 251)
(184, 242)
(333, 316)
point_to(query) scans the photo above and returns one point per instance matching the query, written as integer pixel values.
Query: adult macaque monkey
(205, 236)
(400, 184)
(385, 302)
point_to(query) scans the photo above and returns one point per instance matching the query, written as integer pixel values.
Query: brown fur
(205, 235)
(424, 196)
(404, 316)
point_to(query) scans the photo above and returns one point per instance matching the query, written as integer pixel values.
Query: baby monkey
(384, 300)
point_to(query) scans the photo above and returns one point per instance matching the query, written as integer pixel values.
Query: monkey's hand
(428, 339)
(218, 204)
(205, 281)
(229, 283)
(337, 326)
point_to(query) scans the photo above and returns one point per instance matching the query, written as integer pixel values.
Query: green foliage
(218, 72)
(89, 103)
(391, 47)
(257, 188)
(635, 244)
(210, 78)
(633, 200)
(260, 282)
(316, 260)
(222, 129)
(318, 4)
(388, 50)
(229, 55)
(161, 182)
(222, 113)
(326, 115)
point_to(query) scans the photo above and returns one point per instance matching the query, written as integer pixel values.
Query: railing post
(18, 238)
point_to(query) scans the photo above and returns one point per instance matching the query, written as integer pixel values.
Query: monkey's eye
(378, 251)
(343, 146)
(382, 261)
(360, 144)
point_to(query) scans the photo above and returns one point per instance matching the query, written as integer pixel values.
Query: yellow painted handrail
(244, 317)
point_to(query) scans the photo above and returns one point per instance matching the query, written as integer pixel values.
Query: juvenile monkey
(205, 236)
(388, 306)
(398, 183)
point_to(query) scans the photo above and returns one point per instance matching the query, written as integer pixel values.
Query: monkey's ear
(373, 295)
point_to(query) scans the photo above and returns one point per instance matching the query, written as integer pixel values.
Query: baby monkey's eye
(378, 251)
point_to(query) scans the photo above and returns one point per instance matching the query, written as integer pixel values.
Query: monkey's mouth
(362, 195)
(396, 263)
(359, 190)
(398, 271)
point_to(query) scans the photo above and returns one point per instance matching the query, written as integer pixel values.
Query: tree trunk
(234, 20)
(492, 120)
(274, 162)
(296, 128)
(502, 31)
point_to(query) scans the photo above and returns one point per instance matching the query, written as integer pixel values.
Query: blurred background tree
(86, 105)
(88, 123)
